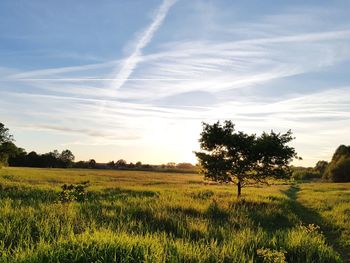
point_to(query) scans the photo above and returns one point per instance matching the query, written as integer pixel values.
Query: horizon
(134, 80)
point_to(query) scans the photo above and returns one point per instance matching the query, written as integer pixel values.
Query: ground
(133, 216)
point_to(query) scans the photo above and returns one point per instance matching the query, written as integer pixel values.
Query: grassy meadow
(133, 216)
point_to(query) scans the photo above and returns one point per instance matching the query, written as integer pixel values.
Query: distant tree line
(305, 173)
(12, 155)
(53, 159)
(124, 165)
(217, 165)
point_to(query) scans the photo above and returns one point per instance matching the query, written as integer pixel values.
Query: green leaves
(73, 192)
(228, 154)
(7, 147)
(338, 170)
(5, 135)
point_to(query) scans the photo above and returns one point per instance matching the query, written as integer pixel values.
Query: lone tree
(231, 156)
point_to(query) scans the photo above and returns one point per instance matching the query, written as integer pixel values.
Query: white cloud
(219, 66)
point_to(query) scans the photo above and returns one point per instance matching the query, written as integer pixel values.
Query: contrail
(89, 79)
(130, 63)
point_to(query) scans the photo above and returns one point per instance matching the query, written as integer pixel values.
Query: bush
(72, 192)
(338, 171)
(271, 256)
(305, 174)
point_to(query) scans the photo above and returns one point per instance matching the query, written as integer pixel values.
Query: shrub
(72, 192)
(305, 174)
(338, 171)
(271, 256)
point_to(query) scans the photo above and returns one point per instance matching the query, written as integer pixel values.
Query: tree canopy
(5, 135)
(233, 156)
(7, 147)
(321, 167)
(338, 170)
(67, 158)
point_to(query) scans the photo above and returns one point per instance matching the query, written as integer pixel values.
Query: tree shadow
(310, 216)
(268, 215)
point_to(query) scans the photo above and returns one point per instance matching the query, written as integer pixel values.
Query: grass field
(158, 217)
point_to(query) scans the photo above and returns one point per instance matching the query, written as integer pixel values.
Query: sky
(135, 79)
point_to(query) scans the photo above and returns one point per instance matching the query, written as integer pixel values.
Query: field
(169, 217)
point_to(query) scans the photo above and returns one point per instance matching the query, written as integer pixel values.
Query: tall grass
(157, 217)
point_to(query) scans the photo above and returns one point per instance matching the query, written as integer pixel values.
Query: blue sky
(135, 79)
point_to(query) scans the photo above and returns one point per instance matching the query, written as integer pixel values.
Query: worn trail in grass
(320, 204)
(309, 216)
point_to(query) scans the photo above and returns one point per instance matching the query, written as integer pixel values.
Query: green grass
(133, 216)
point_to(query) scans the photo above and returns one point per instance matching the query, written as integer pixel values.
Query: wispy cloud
(129, 64)
(219, 66)
(87, 132)
(41, 73)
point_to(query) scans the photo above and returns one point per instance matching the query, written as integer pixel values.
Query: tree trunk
(239, 187)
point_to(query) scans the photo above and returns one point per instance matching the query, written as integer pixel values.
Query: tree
(81, 164)
(170, 165)
(33, 159)
(185, 166)
(50, 159)
(340, 152)
(321, 167)
(131, 165)
(92, 163)
(338, 170)
(111, 164)
(19, 159)
(5, 135)
(231, 156)
(121, 163)
(7, 147)
(67, 158)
